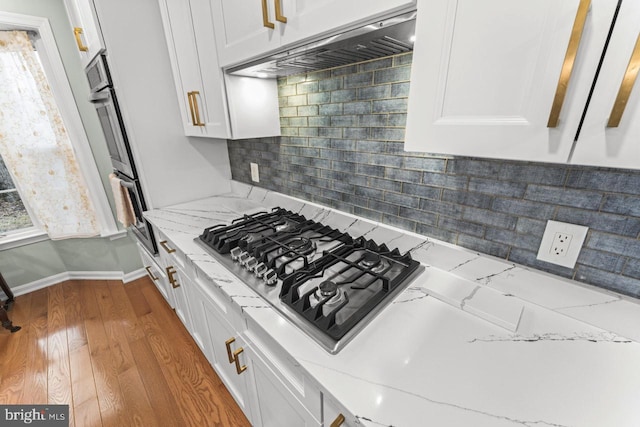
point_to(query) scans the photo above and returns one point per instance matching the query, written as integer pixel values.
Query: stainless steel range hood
(376, 40)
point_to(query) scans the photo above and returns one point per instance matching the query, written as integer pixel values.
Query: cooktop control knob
(260, 269)
(244, 256)
(235, 253)
(270, 277)
(250, 263)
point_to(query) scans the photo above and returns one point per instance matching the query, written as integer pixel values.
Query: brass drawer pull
(624, 92)
(228, 343)
(338, 421)
(166, 247)
(76, 32)
(569, 61)
(195, 110)
(239, 369)
(172, 280)
(154, 278)
(265, 16)
(279, 16)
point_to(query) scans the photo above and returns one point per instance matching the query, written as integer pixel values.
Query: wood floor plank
(87, 414)
(113, 324)
(58, 369)
(35, 384)
(139, 409)
(138, 301)
(125, 312)
(74, 316)
(13, 367)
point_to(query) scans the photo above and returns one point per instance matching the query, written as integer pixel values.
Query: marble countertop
(473, 341)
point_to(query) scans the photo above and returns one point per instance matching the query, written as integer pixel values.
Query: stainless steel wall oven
(103, 96)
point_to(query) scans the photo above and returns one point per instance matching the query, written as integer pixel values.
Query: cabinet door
(309, 19)
(240, 30)
(609, 144)
(180, 285)
(86, 29)
(275, 405)
(212, 332)
(189, 33)
(155, 272)
(486, 73)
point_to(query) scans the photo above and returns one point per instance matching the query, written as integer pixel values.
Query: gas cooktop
(324, 281)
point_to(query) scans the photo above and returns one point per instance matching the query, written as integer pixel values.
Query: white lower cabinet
(275, 403)
(156, 273)
(217, 330)
(334, 415)
(267, 384)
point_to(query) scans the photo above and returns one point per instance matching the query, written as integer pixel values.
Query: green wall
(39, 260)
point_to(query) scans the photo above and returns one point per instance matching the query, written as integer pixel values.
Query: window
(39, 157)
(13, 214)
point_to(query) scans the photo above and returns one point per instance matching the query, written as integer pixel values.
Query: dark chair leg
(6, 323)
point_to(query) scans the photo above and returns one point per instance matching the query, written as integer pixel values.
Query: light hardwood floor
(116, 354)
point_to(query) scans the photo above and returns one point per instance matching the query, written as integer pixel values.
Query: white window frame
(54, 70)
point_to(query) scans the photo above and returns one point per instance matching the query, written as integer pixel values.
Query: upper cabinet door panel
(308, 19)
(240, 29)
(86, 29)
(605, 143)
(485, 75)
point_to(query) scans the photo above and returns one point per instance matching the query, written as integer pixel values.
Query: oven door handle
(127, 184)
(98, 97)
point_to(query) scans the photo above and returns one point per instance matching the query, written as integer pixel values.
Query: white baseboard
(76, 275)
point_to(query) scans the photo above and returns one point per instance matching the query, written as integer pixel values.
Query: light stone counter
(473, 341)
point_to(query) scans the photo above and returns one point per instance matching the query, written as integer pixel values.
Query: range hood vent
(383, 38)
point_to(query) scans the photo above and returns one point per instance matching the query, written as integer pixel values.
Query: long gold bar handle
(569, 61)
(76, 32)
(338, 421)
(193, 115)
(236, 359)
(154, 278)
(197, 121)
(228, 343)
(265, 16)
(279, 16)
(626, 86)
(166, 247)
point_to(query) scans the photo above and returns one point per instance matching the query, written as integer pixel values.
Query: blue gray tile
(623, 205)
(565, 197)
(477, 200)
(524, 208)
(495, 219)
(616, 224)
(477, 244)
(497, 188)
(422, 191)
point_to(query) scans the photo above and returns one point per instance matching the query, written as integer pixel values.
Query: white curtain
(35, 145)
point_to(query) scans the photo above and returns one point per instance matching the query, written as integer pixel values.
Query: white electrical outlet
(255, 173)
(561, 243)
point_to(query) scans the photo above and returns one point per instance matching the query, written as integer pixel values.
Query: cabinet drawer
(286, 367)
(172, 255)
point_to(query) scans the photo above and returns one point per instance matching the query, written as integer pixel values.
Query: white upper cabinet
(201, 86)
(86, 29)
(199, 80)
(616, 98)
(247, 29)
(489, 76)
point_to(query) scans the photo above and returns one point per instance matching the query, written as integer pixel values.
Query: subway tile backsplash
(342, 146)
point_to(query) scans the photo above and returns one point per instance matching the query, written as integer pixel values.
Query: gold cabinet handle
(193, 114)
(628, 81)
(338, 421)
(166, 247)
(193, 105)
(154, 278)
(172, 280)
(228, 343)
(569, 61)
(236, 359)
(76, 32)
(279, 16)
(265, 16)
